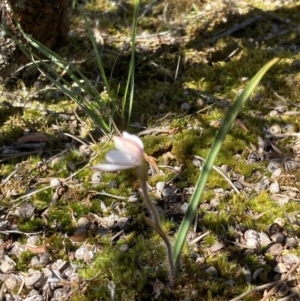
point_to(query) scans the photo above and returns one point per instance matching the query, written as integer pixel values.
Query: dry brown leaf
(171, 131)
(80, 235)
(36, 249)
(34, 137)
(151, 161)
(241, 125)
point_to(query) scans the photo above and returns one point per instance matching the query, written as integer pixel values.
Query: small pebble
(211, 271)
(124, 248)
(55, 182)
(160, 186)
(274, 187)
(85, 151)
(214, 202)
(280, 268)
(167, 192)
(185, 106)
(184, 207)
(96, 177)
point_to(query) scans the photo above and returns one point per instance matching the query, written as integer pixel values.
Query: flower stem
(156, 225)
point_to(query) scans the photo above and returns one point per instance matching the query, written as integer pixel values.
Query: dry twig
(259, 288)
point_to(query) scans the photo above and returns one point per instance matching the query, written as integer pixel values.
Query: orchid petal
(129, 146)
(128, 153)
(110, 167)
(134, 138)
(117, 157)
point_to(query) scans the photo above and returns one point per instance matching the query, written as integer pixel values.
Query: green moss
(157, 144)
(24, 261)
(59, 215)
(185, 144)
(31, 226)
(77, 296)
(129, 271)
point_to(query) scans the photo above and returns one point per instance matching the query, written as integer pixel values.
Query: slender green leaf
(96, 109)
(221, 135)
(130, 78)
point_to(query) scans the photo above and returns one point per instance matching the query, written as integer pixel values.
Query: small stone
(205, 206)
(96, 177)
(88, 256)
(274, 249)
(122, 222)
(196, 162)
(184, 207)
(200, 103)
(225, 168)
(7, 265)
(280, 221)
(33, 240)
(278, 237)
(274, 165)
(280, 268)
(252, 242)
(80, 253)
(18, 249)
(35, 261)
(32, 277)
(247, 273)
(12, 282)
(274, 187)
(292, 242)
(124, 248)
(55, 182)
(276, 173)
(85, 151)
(83, 223)
(160, 186)
(27, 211)
(282, 290)
(290, 258)
(264, 239)
(167, 192)
(211, 271)
(214, 203)
(185, 106)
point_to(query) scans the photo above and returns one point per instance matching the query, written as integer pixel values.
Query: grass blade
(221, 135)
(96, 109)
(130, 78)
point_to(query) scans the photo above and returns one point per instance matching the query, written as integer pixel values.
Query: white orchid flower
(128, 153)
